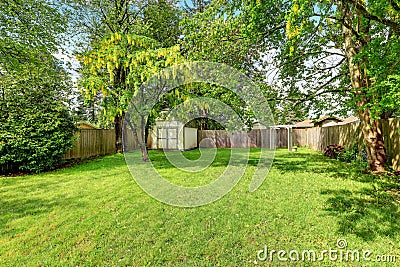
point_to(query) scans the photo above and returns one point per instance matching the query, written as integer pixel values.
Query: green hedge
(35, 133)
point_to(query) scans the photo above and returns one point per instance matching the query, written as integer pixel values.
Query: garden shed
(172, 135)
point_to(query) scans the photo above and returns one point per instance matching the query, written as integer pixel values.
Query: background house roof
(350, 120)
(311, 122)
(304, 124)
(323, 118)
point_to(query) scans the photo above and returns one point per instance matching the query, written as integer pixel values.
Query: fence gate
(168, 138)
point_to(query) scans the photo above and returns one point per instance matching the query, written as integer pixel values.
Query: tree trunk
(373, 138)
(118, 133)
(371, 129)
(142, 145)
(139, 137)
(145, 155)
(124, 138)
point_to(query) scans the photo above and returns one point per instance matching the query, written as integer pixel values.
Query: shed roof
(85, 125)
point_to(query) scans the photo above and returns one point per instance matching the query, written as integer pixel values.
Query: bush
(35, 133)
(353, 154)
(349, 155)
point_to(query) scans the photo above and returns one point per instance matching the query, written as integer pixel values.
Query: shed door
(167, 138)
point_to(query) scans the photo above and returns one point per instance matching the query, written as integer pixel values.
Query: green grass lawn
(95, 214)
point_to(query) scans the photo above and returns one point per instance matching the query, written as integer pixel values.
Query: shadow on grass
(367, 213)
(313, 162)
(14, 208)
(304, 161)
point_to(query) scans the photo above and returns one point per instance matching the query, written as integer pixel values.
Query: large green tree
(344, 51)
(35, 125)
(212, 31)
(326, 55)
(117, 66)
(94, 20)
(131, 27)
(225, 32)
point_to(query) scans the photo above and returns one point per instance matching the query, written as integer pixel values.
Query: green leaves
(119, 64)
(217, 35)
(35, 132)
(35, 125)
(34, 23)
(27, 29)
(385, 98)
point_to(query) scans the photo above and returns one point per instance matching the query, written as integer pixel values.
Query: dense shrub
(349, 155)
(354, 153)
(346, 154)
(35, 132)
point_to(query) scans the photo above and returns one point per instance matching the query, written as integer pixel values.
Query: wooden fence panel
(94, 142)
(101, 142)
(299, 137)
(221, 138)
(259, 138)
(281, 137)
(391, 133)
(317, 138)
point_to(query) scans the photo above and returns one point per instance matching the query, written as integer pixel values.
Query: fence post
(290, 140)
(272, 138)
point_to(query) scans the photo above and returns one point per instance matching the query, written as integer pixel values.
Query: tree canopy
(117, 66)
(342, 52)
(36, 126)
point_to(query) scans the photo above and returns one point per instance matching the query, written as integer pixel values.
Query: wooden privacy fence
(391, 133)
(254, 138)
(91, 142)
(222, 139)
(94, 142)
(318, 138)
